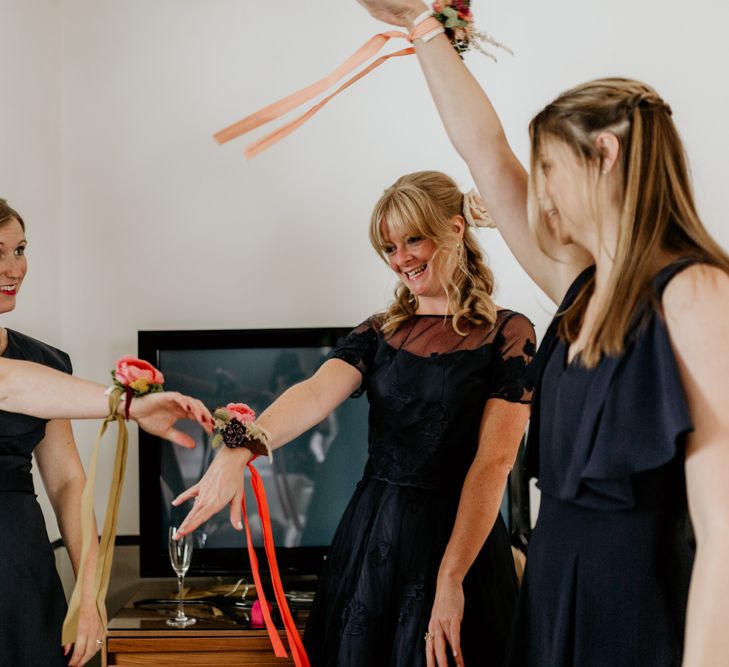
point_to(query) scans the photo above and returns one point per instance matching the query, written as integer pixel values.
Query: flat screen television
(310, 480)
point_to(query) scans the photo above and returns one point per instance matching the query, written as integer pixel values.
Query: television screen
(310, 480)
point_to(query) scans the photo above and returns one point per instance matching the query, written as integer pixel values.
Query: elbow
(713, 538)
(492, 471)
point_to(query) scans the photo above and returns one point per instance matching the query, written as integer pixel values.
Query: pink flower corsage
(236, 426)
(135, 377)
(457, 19)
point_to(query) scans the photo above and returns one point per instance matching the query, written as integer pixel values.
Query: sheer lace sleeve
(358, 349)
(515, 346)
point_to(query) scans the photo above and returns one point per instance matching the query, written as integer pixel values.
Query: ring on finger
(429, 637)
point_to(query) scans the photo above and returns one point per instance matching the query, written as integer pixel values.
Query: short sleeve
(25, 348)
(514, 350)
(358, 349)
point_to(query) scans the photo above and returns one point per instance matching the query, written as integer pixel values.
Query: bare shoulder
(697, 317)
(697, 301)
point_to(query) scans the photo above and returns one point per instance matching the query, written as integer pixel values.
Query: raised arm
(300, 407)
(36, 390)
(476, 133)
(698, 322)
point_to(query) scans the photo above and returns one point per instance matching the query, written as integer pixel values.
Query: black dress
(607, 575)
(427, 387)
(32, 603)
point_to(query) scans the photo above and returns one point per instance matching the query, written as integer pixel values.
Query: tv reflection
(309, 481)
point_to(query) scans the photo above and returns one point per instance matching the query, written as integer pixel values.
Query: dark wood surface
(141, 636)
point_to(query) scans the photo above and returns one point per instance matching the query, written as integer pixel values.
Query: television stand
(140, 635)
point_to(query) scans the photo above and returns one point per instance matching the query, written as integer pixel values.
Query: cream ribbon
(106, 544)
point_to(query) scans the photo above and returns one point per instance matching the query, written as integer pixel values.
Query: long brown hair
(7, 214)
(658, 214)
(424, 204)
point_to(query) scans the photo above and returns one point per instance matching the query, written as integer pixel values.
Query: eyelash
(411, 240)
(20, 251)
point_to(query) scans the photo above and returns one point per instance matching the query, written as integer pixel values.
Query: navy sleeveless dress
(32, 603)
(607, 575)
(427, 387)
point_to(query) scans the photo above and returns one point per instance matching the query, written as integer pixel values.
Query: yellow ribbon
(106, 544)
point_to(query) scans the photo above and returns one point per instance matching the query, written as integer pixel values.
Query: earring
(458, 246)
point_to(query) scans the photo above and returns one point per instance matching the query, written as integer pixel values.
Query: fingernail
(240, 526)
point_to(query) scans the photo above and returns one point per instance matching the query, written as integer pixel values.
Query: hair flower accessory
(475, 212)
(135, 377)
(457, 19)
(236, 426)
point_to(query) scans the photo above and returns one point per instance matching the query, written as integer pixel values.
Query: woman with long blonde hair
(445, 372)
(629, 427)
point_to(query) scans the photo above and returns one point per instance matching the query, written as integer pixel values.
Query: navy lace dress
(32, 603)
(607, 575)
(427, 387)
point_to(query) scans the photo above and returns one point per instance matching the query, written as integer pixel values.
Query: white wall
(30, 124)
(162, 228)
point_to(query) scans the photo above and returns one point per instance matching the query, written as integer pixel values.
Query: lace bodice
(427, 387)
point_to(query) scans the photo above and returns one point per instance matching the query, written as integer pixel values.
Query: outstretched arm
(476, 133)
(300, 407)
(39, 391)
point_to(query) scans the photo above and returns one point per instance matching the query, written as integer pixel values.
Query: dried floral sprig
(457, 19)
(235, 427)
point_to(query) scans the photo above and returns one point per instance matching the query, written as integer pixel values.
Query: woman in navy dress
(631, 427)
(33, 405)
(421, 544)
(32, 602)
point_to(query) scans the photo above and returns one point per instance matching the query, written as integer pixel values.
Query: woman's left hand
(444, 628)
(89, 637)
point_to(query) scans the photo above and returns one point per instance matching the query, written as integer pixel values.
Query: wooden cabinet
(140, 636)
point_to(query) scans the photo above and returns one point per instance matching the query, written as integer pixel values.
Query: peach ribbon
(292, 634)
(278, 109)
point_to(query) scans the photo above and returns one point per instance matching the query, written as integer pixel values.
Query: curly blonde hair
(424, 204)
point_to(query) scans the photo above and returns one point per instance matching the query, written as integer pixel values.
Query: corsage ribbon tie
(294, 640)
(106, 543)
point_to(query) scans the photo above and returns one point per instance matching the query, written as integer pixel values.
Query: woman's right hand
(157, 413)
(222, 484)
(395, 12)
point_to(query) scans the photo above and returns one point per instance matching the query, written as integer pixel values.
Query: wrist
(133, 407)
(414, 11)
(450, 575)
(237, 455)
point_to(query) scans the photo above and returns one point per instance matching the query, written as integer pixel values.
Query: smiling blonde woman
(629, 427)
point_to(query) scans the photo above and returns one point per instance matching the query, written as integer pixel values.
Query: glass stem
(180, 611)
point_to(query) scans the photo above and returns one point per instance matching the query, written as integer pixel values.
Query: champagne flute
(180, 549)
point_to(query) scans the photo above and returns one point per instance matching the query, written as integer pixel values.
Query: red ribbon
(292, 634)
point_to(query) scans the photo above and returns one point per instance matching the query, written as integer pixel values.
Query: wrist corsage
(236, 426)
(134, 377)
(457, 19)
